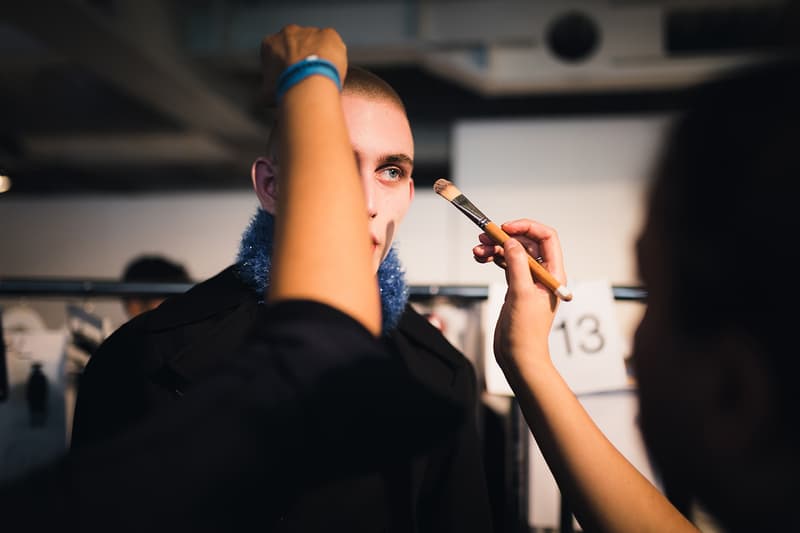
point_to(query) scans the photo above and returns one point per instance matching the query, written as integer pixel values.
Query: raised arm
(605, 490)
(322, 243)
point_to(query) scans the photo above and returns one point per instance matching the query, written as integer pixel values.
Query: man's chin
(378, 255)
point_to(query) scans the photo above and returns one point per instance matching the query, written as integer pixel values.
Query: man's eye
(391, 173)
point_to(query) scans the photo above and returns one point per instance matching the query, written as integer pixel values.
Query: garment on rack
(87, 332)
(33, 421)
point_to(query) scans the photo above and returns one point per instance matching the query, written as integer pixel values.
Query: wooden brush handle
(539, 272)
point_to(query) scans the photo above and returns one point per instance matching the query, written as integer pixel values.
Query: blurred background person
(150, 268)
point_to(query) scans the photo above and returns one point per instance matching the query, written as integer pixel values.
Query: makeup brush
(450, 192)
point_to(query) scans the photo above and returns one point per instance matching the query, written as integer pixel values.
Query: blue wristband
(299, 71)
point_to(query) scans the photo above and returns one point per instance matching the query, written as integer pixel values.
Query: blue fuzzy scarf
(255, 259)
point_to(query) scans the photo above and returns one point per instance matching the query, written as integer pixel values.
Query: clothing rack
(110, 288)
(98, 288)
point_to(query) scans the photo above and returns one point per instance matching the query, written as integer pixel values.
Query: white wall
(584, 177)
(93, 237)
(587, 178)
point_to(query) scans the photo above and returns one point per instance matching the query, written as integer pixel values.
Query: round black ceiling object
(573, 36)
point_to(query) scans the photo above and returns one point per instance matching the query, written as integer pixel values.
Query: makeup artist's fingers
(487, 250)
(518, 273)
(526, 315)
(496, 258)
(486, 239)
(500, 261)
(478, 255)
(547, 244)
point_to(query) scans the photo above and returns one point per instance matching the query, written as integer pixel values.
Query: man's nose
(369, 194)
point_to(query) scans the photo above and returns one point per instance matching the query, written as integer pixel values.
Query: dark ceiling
(112, 96)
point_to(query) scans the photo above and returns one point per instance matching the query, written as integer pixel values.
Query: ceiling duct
(512, 47)
(515, 48)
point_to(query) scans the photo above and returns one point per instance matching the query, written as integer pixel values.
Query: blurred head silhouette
(150, 268)
(715, 359)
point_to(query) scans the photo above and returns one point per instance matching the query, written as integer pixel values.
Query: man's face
(384, 150)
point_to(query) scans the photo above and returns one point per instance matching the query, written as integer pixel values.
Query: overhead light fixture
(573, 37)
(5, 183)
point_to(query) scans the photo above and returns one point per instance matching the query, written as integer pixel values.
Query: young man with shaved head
(161, 356)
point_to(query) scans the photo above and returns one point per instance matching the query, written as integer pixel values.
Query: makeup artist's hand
(294, 43)
(529, 309)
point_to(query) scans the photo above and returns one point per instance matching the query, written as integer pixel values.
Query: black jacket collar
(223, 308)
(204, 300)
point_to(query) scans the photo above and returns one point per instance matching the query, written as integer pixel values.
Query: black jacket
(162, 356)
(285, 416)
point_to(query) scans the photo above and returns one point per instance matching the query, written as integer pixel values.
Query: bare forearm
(322, 241)
(607, 492)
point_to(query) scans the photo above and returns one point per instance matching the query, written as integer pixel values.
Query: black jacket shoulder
(144, 363)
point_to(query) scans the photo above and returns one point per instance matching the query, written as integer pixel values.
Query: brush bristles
(564, 293)
(446, 189)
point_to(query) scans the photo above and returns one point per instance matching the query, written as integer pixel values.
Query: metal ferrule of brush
(470, 210)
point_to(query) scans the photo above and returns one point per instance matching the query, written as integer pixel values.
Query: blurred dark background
(163, 95)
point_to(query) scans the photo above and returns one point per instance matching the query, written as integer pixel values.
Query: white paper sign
(585, 342)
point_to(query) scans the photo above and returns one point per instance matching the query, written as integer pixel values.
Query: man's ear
(264, 174)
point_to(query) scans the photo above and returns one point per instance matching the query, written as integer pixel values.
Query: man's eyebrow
(398, 158)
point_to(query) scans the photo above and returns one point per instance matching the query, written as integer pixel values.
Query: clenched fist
(294, 43)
